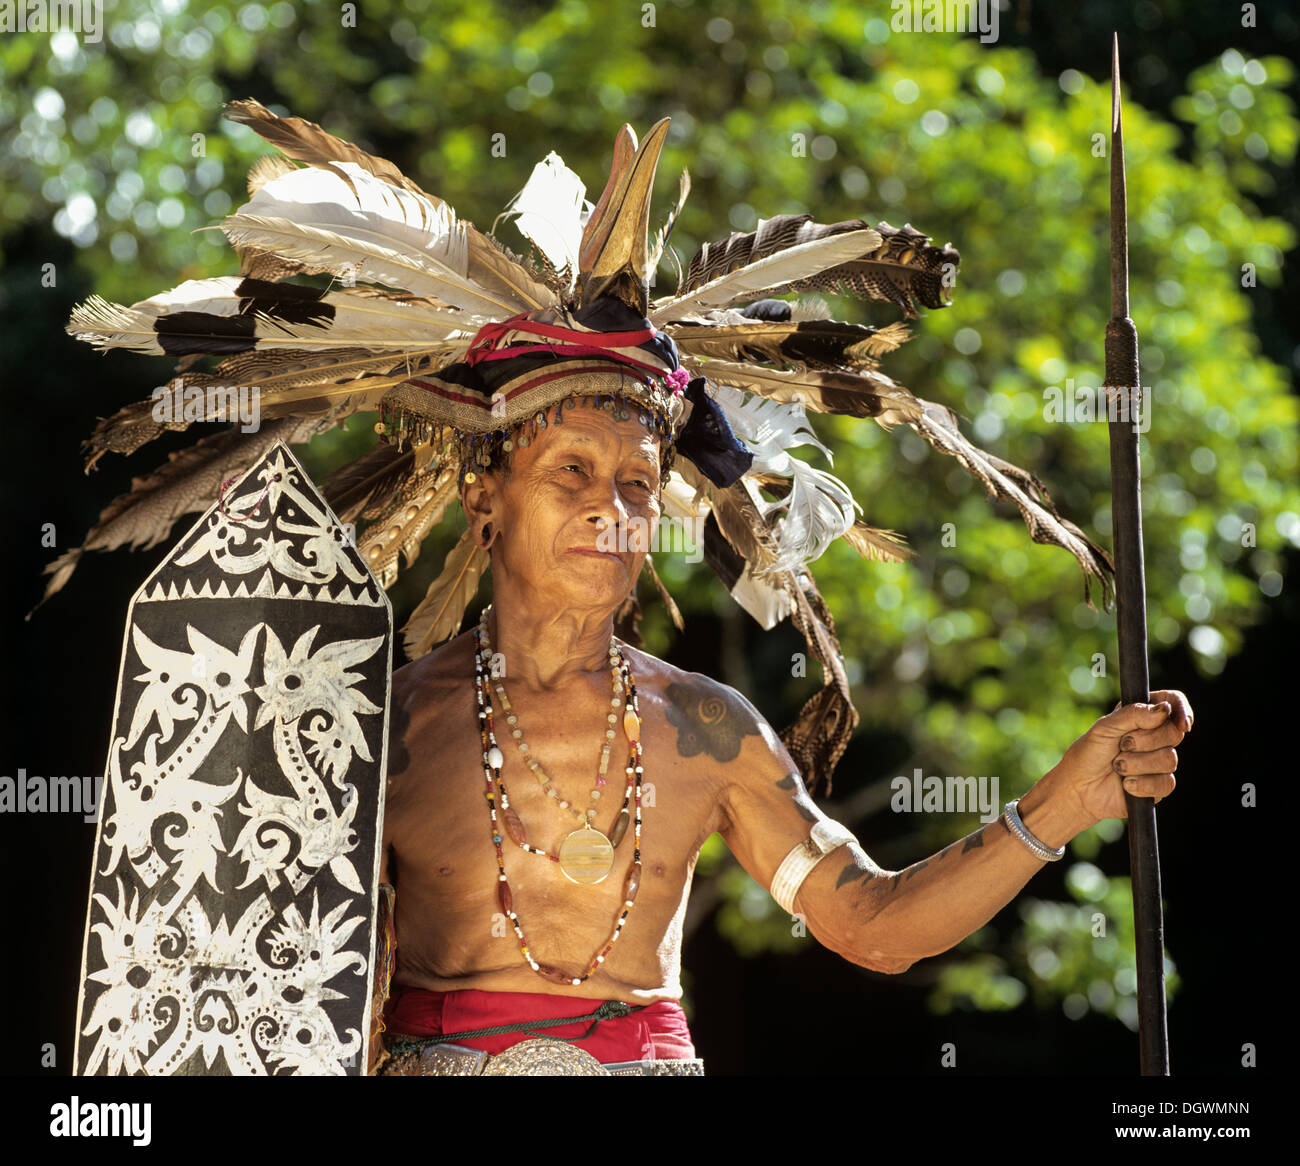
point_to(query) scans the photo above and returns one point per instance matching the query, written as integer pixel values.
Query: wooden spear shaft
(1123, 386)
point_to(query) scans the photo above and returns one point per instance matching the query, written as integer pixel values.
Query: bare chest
(442, 826)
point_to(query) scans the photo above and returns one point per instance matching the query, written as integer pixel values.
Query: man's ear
(478, 500)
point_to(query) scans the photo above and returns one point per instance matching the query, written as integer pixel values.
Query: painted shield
(233, 896)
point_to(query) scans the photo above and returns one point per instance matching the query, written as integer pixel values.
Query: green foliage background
(978, 657)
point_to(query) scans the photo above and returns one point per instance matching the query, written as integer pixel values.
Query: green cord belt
(608, 1010)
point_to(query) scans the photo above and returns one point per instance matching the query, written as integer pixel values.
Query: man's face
(578, 511)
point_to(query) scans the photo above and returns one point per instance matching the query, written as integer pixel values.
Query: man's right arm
(878, 919)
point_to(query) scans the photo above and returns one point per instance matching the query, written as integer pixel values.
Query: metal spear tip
(1116, 124)
(1118, 195)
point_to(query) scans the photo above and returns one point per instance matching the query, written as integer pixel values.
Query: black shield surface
(233, 895)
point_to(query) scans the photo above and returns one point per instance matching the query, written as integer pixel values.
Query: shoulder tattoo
(708, 721)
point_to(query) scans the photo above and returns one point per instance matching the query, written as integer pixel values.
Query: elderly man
(539, 891)
(715, 764)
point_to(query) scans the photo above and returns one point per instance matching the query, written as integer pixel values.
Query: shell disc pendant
(586, 856)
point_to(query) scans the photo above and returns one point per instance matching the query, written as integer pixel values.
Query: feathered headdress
(466, 348)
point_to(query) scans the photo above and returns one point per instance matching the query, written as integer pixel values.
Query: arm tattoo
(708, 722)
(917, 867)
(976, 840)
(856, 871)
(847, 875)
(792, 783)
(970, 842)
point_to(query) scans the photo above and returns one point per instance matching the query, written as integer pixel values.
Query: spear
(1123, 389)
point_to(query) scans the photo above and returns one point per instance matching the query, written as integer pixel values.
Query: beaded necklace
(621, 681)
(631, 882)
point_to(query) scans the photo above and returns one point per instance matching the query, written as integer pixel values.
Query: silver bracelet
(1039, 849)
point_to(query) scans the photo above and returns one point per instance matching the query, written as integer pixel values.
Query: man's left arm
(886, 920)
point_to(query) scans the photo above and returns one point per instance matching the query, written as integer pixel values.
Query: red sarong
(656, 1032)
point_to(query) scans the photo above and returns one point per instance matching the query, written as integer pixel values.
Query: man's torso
(451, 933)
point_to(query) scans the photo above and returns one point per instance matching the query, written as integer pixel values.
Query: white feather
(810, 308)
(368, 322)
(682, 500)
(551, 210)
(764, 425)
(819, 507)
(108, 325)
(766, 603)
(775, 270)
(374, 232)
(359, 320)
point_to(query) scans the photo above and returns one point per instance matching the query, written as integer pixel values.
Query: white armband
(824, 837)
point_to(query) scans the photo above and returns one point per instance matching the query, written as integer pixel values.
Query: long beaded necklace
(631, 882)
(586, 855)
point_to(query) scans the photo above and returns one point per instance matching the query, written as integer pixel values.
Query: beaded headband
(521, 374)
